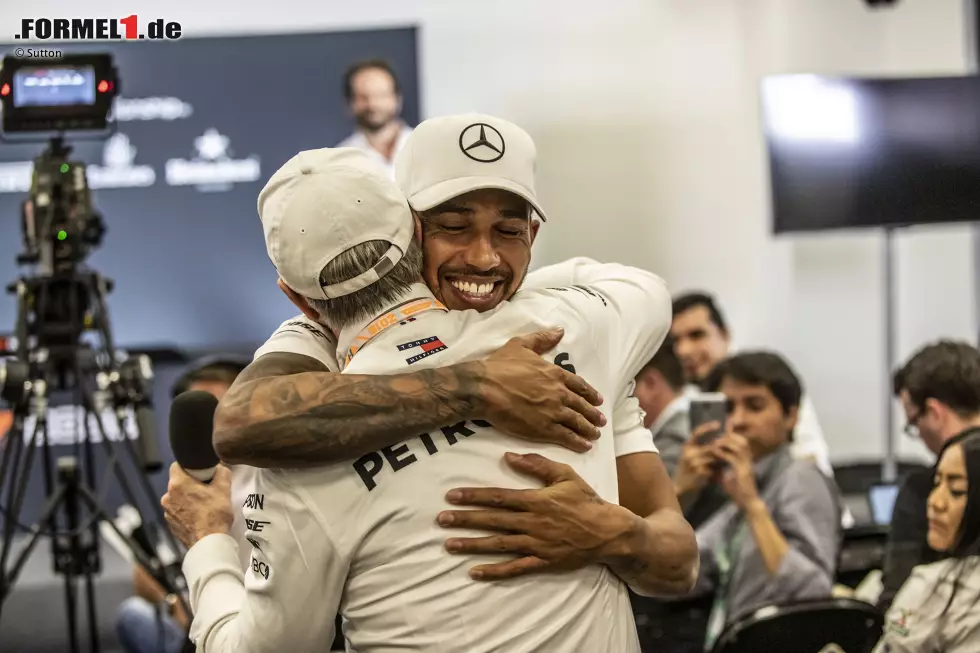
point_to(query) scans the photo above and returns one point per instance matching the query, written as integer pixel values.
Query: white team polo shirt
(299, 335)
(360, 536)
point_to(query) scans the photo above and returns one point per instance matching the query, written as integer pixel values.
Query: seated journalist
(775, 533)
(938, 607)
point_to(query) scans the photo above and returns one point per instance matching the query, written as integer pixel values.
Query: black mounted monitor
(850, 153)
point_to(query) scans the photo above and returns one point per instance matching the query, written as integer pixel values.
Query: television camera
(58, 307)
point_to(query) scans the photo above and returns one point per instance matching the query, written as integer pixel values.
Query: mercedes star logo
(482, 142)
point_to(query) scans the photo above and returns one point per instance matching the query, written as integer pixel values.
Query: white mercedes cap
(323, 202)
(446, 157)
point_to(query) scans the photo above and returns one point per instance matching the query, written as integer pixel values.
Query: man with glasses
(939, 389)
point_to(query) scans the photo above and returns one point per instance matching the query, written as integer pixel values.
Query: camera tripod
(54, 312)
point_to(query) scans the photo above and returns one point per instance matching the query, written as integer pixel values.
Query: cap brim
(446, 190)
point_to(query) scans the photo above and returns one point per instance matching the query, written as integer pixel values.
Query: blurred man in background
(153, 621)
(660, 391)
(939, 389)
(374, 97)
(702, 340)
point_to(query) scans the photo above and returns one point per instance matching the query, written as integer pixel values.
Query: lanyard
(409, 309)
(728, 550)
(725, 556)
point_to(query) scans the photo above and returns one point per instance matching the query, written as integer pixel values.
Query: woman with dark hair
(938, 608)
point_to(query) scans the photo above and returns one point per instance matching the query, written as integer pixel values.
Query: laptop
(882, 499)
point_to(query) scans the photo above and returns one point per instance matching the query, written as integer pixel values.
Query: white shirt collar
(359, 140)
(403, 135)
(679, 405)
(349, 332)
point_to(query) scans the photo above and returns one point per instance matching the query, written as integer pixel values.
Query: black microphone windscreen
(191, 427)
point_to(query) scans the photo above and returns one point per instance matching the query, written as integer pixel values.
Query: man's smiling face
(477, 248)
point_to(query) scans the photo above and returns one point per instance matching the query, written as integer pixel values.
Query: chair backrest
(806, 627)
(857, 477)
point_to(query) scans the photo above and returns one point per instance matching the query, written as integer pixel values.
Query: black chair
(671, 626)
(807, 627)
(857, 477)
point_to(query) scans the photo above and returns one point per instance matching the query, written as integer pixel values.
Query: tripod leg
(70, 606)
(76, 558)
(17, 489)
(15, 442)
(98, 288)
(152, 566)
(46, 467)
(93, 620)
(53, 504)
(20, 407)
(8, 447)
(92, 562)
(93, 504)
(144, 481)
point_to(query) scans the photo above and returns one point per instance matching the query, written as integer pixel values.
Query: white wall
(646, 117)
(837, 280)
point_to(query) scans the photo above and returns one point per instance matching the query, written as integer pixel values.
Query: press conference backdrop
(202, 124)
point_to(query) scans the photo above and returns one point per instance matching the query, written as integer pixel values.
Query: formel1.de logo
(98, 29)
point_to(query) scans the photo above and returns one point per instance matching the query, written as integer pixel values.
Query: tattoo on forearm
(664, 561)
(290, 412)
(629, 568)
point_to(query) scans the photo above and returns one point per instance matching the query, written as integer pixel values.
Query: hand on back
(529, 397)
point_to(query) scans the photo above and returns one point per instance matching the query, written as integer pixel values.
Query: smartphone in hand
(708, 407)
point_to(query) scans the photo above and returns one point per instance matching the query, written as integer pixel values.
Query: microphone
(191, 426)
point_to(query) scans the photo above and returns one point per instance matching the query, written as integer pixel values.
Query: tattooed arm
(287, 410)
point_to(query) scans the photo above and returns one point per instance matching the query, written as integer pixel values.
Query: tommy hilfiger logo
(430, 345)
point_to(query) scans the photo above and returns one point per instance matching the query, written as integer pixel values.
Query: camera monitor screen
(38, 87)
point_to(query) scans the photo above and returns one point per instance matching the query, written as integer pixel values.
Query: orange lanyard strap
(409, 309)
